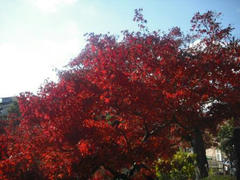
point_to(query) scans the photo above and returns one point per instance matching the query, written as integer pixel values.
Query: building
(214, 153)
(215, 159)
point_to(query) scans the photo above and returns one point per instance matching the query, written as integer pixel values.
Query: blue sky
(37, 36)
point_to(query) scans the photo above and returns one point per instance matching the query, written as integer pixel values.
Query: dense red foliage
(124, 103)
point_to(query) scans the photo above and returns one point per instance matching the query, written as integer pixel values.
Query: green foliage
(226, 130)
(219, 177)
(11, 117)
(224, 135)
(180, 167)
(14, 109)
(211, 172)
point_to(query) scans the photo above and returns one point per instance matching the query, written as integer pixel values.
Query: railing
(216, 166)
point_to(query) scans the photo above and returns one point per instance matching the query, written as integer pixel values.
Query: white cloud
(25, 65)
(51, 6)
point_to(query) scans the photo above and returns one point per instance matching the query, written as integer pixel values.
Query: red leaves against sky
(124, 102)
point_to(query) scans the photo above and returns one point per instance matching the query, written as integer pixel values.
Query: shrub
(180, 167)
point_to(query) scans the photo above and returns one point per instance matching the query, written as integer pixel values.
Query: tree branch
(156, 130)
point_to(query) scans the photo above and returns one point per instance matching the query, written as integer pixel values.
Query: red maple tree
(121, 104)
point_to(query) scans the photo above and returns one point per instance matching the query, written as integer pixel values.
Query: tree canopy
(122, 103)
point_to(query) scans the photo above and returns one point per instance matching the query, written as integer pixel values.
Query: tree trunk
(199, 150)
(236, 143)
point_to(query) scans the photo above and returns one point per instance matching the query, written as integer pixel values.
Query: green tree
(225, 133)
